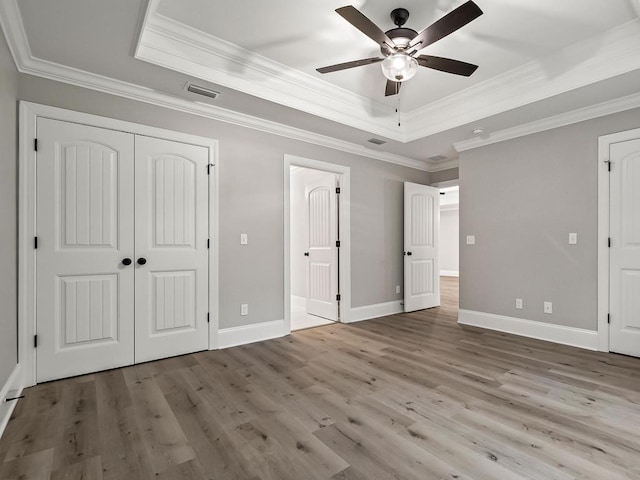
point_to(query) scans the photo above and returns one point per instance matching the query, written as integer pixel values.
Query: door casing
(345, 234)
(28, 114)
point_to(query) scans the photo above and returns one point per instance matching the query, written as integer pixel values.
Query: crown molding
(170, 44)
(442, 166)
(575, 116)
(615, 52)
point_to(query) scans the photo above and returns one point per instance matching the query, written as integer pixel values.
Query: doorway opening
(449, 254)
(316, 243)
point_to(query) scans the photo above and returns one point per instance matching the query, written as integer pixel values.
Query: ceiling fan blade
(447, 65)
(366, 26)
(392, 88)
(451, 22)
(344, 66)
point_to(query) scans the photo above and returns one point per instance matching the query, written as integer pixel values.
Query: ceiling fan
(400, 45)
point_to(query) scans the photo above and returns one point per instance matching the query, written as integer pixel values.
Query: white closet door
(171, 232)
(624, 331)
(85, 293)
(323, 252)
(421, 233)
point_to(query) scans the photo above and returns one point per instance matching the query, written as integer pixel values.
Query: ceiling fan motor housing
(401, 38)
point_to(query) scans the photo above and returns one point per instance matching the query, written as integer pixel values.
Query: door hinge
(209, 167)
(35, 144)
(338, 243)
(609, 242)
(208, 243)
(35, 341)
(609, 165)
(338, 297)
(35, 242)
(608, 318)
(338, 190)
(208, 319)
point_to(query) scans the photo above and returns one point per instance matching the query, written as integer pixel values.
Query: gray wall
(251, 201)
(444, 175)
(521, 199)
(8, 231)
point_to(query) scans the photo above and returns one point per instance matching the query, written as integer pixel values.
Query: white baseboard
(298, 302)
(232, 337)
(13, 385)
(368, 312)
(449, 273)
(575, 337)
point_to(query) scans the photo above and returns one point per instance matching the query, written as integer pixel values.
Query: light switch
(519, 304)
(573, 239)
(471, 239)
(244, 309)
(548, 307)
(244, 239)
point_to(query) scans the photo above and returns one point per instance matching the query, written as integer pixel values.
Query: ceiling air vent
(202, 91)
(438, 158)
(376, 141)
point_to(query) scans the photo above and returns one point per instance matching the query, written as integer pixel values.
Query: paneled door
(624, 279)
(421, 230)
(85, 283)
(323, 252)
(172, 258)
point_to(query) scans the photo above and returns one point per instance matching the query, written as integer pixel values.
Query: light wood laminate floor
(410, 396)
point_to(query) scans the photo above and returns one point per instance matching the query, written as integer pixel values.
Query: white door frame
(344, 210)
(604, 146)
(29, 112)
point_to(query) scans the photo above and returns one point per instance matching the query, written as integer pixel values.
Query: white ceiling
(537, 59)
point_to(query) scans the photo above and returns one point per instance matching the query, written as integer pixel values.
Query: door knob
(409, 253)
(126, 261)
(306, 254)
(142, 261)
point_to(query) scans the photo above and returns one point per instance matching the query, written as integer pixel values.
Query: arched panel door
(172, 258)
(323, 252)
(85, 292)
(421, 235)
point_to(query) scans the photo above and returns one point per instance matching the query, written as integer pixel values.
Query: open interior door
(421, 232)
(624, 279)
(322, 294)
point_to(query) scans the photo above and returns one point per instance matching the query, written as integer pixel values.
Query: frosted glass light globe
(399, 67)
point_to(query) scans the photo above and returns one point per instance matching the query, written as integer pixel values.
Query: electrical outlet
(244, 309)
(397, 288)
(244, 239)
(471, 239)
(519, 303)
(548, 307)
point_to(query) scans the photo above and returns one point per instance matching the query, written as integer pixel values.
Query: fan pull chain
(398, 107)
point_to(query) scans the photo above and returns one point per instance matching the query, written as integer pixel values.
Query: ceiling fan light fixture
(399, 67)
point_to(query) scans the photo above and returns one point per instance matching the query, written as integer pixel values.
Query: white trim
(609, 54)
(345, 232)
(377, 310)
(617, 52)
(449, 273)
(446, 183)
(179, 47)
(13, 385)
(11, 23)
(29, 112)
(575, 337)
(561, 120)
(258, 332)
(604, 147)
(443, 165)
